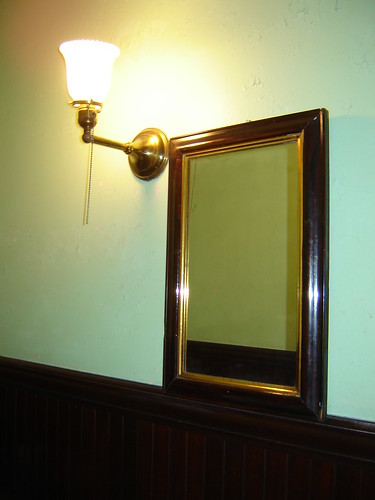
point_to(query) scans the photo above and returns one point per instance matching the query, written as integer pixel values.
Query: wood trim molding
(343, 439)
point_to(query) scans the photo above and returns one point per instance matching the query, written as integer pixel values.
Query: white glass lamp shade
(88, 68)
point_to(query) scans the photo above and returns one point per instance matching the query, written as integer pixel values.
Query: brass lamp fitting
(147, 153)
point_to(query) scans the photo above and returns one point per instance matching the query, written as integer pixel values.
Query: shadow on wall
(352, 173)
(352, 266)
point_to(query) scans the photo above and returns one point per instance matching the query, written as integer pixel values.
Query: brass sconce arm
(126, 147)
(147, 153)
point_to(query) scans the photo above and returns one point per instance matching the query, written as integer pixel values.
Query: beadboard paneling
(61, 443)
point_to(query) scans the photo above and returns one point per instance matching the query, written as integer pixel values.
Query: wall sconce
(88, 72)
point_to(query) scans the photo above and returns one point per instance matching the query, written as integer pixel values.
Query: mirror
(242, 249)
(247, 264)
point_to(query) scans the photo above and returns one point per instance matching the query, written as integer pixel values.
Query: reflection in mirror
(246, 295)
(242, 247)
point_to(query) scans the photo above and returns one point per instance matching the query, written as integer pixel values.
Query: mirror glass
(242, 254)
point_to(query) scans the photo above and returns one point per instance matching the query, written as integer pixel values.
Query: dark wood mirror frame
(309, 396)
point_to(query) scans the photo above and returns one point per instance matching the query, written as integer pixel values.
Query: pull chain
(86, 208)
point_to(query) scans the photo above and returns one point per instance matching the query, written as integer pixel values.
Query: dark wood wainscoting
(270, 366)
(65, 435)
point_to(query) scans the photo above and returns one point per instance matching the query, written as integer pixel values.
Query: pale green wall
(92, 298)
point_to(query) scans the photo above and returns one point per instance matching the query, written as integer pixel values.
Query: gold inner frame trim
(183, 287)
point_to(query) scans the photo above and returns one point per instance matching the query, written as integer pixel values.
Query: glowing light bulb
(88, 68)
